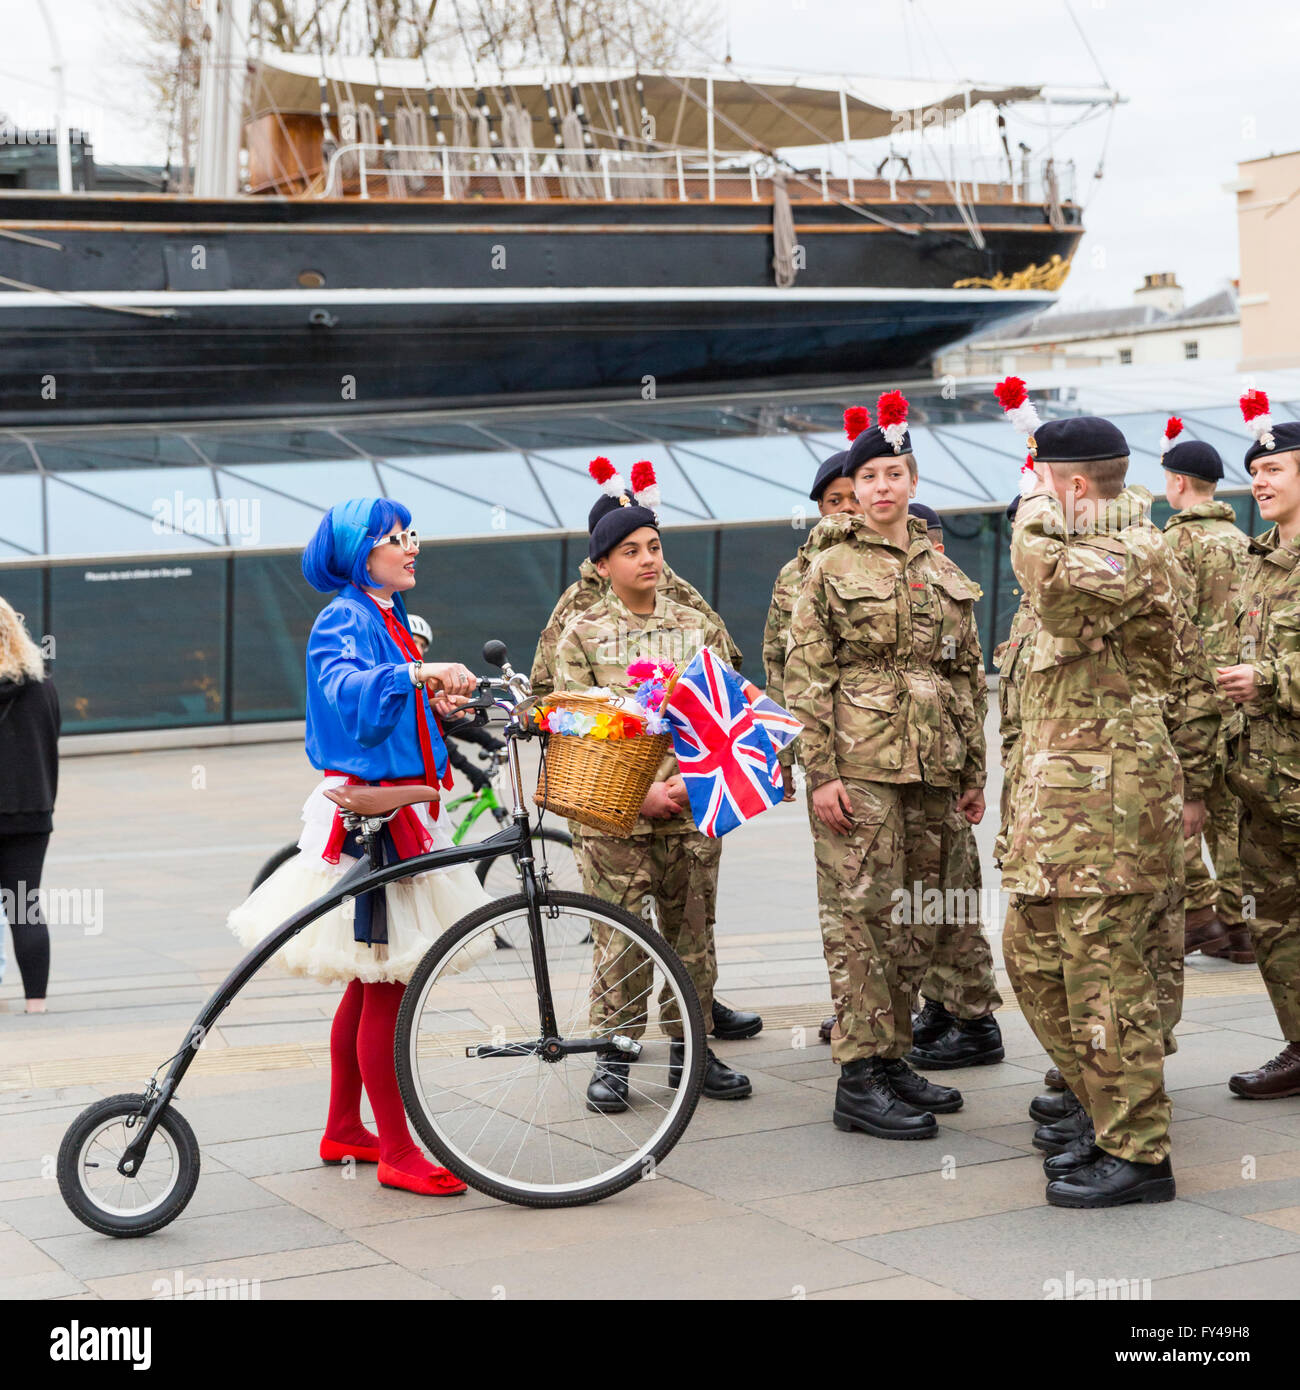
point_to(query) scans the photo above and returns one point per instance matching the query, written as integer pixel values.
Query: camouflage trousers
(960, 976)
(1223, 890)
(877, 947)
(1082, 971)
(678, 875)
(1271, 882)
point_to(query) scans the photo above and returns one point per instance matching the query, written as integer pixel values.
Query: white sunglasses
(409, 540)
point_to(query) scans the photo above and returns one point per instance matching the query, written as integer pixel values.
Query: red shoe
(438, 1182)
(332, 1151)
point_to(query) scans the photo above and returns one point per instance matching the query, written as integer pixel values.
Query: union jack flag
(725, 734)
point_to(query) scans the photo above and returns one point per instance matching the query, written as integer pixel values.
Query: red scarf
(424, 710)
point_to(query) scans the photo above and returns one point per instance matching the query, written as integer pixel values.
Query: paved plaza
(761, 1199)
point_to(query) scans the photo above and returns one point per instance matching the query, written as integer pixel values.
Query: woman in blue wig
(372, 708)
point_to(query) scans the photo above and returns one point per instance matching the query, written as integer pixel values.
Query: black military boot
(931, 1023)
(1054, 1106)
(1113, 1182)
(1079, 1152)
(607, 1090)
(731, 1025)
(865, 1100)
(969, 1042)
(825, 1028)
(917, 1091)
(1053, 1079)
(1053, 1139)
(720, 1082)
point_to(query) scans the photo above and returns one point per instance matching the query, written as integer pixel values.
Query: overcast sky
(1207, 85)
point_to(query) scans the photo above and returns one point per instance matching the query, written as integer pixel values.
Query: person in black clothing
(462, 727)
(29, 780)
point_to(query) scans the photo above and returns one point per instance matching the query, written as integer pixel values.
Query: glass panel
(318, 484)
(272, 612)
(396, 437)
(279, 520)
(140, 646)
(22, 589)
(74, 453)
(20, 514)
(973, 543)
(750, 559)
(468, 494)
(472, 593)
(82, 522)
(285, 444)
(178, 501)
(759, 479)
(15, 457)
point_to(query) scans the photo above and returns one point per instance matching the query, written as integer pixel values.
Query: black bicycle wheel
(100, 1196)
(489, 1105)
(281, 856)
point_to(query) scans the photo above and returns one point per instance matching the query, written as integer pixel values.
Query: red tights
(361, 1053)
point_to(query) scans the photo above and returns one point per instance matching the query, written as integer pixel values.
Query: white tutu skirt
(419, 909)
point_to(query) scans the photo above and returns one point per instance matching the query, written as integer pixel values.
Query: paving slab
(1248, 1282)
(385, 1282)
(748, 1167)
(282, 1264)
(748, 1255)
(922, 1199)
(190, 1240)
(347, 1203)
(901, 1288)
(1017, 1254)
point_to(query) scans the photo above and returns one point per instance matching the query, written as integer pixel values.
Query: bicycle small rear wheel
(479, 1087)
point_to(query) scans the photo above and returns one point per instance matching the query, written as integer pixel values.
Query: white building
(1157, 329)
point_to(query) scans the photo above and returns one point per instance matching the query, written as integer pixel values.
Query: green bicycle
(499, 876)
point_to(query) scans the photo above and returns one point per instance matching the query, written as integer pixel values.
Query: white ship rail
(684, 175)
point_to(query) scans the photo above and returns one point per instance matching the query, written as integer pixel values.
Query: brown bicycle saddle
(379, 801)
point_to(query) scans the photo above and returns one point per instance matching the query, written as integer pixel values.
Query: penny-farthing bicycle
(494, 1049)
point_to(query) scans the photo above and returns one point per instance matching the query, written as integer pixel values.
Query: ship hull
(148, 309)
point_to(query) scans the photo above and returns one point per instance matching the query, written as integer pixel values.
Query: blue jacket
(361, 705)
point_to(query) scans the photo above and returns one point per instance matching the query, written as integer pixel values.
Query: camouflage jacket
(1212, 549)
(1117, 708)
(599, 644)
(883, 664)
(776, 630)
(1264, 761)
(590, 587)
(1012, 661)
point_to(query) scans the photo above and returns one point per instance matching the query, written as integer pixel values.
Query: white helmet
(419, 628)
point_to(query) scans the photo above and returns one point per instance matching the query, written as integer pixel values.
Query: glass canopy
(187, 489)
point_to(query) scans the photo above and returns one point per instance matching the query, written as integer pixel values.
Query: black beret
(872, 444)
(1285, 436)
(1078, 439)
(1013, 507)
(827, 473)
(1196, 459)
(615, 522)
(931, 518)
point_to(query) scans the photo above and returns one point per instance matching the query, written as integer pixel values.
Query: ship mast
(221, 98)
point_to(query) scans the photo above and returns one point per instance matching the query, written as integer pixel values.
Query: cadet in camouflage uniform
(665, 859)
(1264, 767)
(722, 1021)
(834, 496)
(1212, 549)
(881, 667)
(1097, 825)
(956, 1026)
(1164, 948)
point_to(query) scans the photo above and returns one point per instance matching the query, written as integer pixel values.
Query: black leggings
(22, 858)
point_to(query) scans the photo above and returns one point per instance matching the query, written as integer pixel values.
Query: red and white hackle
(1173, 428)
(1013, 397)
(891, 416)
(1255, 412)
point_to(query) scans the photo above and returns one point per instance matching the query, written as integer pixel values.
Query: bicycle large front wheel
(504, 1106)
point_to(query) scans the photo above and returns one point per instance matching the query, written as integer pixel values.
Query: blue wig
(336, 555)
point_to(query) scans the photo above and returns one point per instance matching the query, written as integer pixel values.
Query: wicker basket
(600, 783)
